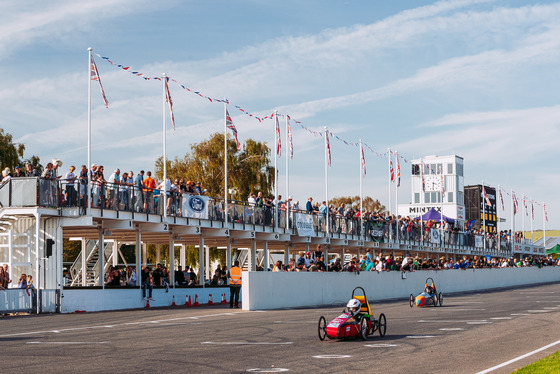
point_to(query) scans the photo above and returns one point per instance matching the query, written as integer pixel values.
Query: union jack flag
(488, 202)
(514, 202)
(363, 159)
(328, 145)
(290, 143)
(501, 199)
(170, 102)
(231, 126)
(279, 144)
(391, 167)
(94, 76)
(398, 170)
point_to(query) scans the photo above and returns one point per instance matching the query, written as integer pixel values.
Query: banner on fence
(195, 206)
(434, 236)
(304, 224)
(376, 232)
(478, 241)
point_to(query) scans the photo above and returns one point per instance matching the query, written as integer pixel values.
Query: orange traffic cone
(147, 303)
(196, 300)
(188, 302)
(223, 299)
(173, 303)
(210, 302)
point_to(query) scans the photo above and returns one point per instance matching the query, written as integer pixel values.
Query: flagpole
(361, 170)
(512, 220)
(390, 156)
(276, 208)
(163, 80)
(523, 219)
(483, 217)
(326, 181)
(441, 213)
(288, 203)
(397, 192)
(498, 218)
(532, 214)
(544, 225)
(88, 189)
(225, 166)
(422, 197)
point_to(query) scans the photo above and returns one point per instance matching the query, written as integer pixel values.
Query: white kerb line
(519, 358)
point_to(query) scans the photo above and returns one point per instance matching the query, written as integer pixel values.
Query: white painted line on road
(539, 311)
(551, 307)
(534, 297)
(478, 323)
(452, 329)
(66, 343)
(451, 309)
(268, 370)
(380, 345)
(547, 301)
(533, 292)
(295, 322)
(472, 302)
(452, 320)
(420, 336)
(520, 314)
(501, 318)
(246, 343)
(519, 358)
(332, 356)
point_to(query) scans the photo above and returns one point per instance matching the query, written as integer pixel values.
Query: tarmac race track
(470, 333)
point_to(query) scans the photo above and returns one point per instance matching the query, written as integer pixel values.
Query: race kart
(353, 325)
(430, 296)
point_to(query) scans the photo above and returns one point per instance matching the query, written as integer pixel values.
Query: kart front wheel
(411, 300)
(364, 328)
(382, 323)
(435, 300)
(440, 299)
(322, 329)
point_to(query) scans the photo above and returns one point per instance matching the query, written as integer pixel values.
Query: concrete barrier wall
(94, 300)
(271, 290)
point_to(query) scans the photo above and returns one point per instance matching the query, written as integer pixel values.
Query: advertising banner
(434, 236)
(195, 206)
(304, 224)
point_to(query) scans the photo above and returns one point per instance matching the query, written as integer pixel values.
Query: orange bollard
(173, 303)
(223, 299)
(147, 303)
(188, 302)
(210, 302)
(196, 300)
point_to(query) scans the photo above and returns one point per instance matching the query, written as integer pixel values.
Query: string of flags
(128, 69)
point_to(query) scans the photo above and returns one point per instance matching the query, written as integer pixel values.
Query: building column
(265, 255)
(326, 256)
(115, 253)
(101, 258)
(138, 270)
(182, 254)
(207, 262)
(84, 263)
(145, 254)
(171, 266)
(228, 253)
(286, 253)
(158, 254)
(253, 256)
(201, 266)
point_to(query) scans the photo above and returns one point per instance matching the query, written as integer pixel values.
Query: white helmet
(353, 305)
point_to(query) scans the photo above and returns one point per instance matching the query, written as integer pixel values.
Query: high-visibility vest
(235, 275)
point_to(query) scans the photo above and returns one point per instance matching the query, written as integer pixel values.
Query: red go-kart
(353, 324)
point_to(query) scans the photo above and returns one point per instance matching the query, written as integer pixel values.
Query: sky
(476, 78)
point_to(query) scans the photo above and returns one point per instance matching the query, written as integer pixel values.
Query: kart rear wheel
(411, 300)
(322, 328)
(435, 300)
(372, 325)
(440, 299)
(382, 325)
(364, 328)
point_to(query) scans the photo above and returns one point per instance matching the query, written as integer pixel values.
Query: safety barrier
(14, 300)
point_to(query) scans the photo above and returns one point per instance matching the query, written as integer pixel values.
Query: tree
(11, 154)
(368, 203)
(249, 169)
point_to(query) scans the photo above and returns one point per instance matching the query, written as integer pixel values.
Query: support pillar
(201, 266)
(253, 256)
(84, 263)
(326, 257)
(101, 260)
(342, 255)
(138, 270)
(115, 261)
(171, 266)
(286, 253)
(158, 254)
(228, 253)
(265, 255)
(207, 262)
(182, 254)
(145, 254)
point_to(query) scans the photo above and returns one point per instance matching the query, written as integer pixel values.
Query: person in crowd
(70, 178)
(30, 171)
(179, 276)
(113, 185)
(138, 200)
(193, 280)
(277, 266)
(147, 282)
(157, 274)
(99, 188)
(114, 277)
(18, 173)
(309, 205)
(7, 279)
(336, 265)
(149, 184)
(22, 283)
(6, 175)
(30, 285)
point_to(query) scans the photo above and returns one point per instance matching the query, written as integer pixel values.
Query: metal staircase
(92, 263)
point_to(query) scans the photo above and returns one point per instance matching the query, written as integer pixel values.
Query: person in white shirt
(70, 178)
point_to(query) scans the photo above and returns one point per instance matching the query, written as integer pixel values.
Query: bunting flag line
(545, 214)
(398, 170)
(231, 126)
(94, 76)
(514, 202)
(423, 182)
(501, 198)
(328, 148)
(363, 160)
(279, 142)
(290, 143)
(170, 102)
(488, 202)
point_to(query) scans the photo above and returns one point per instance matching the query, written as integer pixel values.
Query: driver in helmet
(429, 290)
(353, 308)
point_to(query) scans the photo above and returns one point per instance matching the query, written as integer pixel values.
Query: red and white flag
(532, 210)
(170, 102)
(398, 170)
(486, 196)
(423, 181)
(391, 167)
(279, 144)
(94, 76)
(525, 205)
(328, 145)
(231, 126)
(442, 187)
(363, 159)
(501, 199)
(514, 198)
(290, 143)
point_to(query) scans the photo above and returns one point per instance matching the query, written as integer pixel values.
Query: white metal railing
(15, 300)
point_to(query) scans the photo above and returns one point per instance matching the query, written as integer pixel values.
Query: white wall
(271, 290)
(94, 300)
